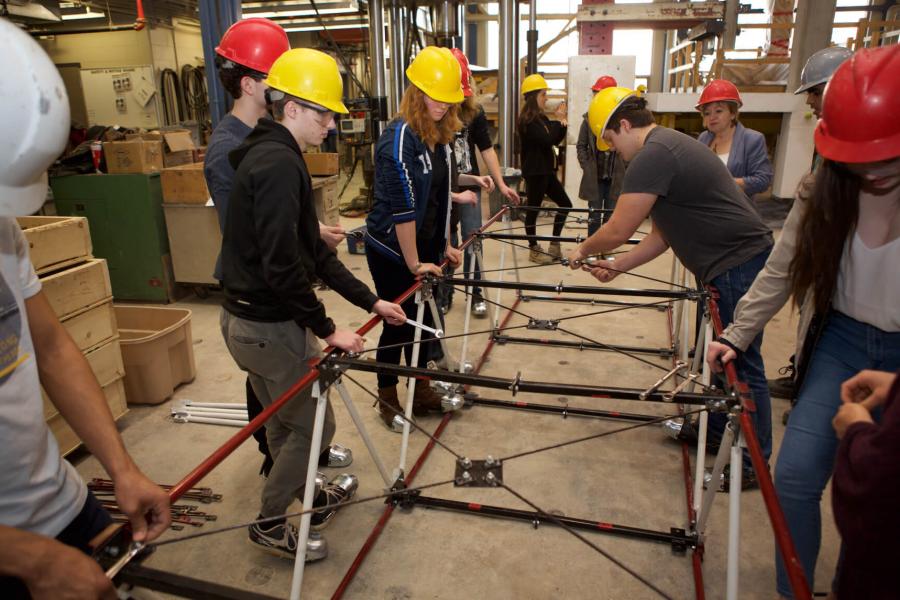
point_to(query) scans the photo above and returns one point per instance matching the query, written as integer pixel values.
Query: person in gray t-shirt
(695, 208)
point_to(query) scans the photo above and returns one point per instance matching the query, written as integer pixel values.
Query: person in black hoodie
(271, 249)
(537, 137)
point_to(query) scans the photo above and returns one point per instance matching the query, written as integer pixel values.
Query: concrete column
(812, 32)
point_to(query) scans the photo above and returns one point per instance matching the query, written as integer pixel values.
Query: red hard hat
(466, 72)
(861, 108)
(719, 90)
(254, 43)
(604, 82)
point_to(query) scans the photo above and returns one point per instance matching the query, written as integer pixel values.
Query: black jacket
(537, 140)
(271, 247)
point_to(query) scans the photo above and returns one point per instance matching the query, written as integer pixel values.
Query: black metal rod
(592, 301)
(519, 385)
(565, 411)
(508, 339)
(662, 537)
(575, 289)
(561, 209)
(540, 238)
(182, 586)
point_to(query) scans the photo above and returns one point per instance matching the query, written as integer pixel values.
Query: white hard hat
(34, 121)
(821, 65)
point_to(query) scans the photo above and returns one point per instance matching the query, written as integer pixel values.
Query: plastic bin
(157, 350)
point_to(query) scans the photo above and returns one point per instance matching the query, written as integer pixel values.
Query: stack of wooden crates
(78, 288)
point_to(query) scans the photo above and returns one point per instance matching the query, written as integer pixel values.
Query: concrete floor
(632, 478)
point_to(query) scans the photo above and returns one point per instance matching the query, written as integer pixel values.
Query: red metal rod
(389, 509)
(797, 577)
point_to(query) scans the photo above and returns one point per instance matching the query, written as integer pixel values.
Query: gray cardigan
(748, 158)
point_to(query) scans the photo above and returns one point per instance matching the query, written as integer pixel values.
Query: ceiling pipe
(141, 20)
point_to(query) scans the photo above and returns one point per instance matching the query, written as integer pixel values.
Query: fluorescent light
(88, 14)
(330, 27)
(302, 13)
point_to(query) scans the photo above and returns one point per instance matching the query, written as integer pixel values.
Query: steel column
(215, 19)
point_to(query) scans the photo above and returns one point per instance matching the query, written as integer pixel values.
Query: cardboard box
(322, 163)
(56, 242)
(77, 288)
(177, 145)
(133, 156)
(184, 185)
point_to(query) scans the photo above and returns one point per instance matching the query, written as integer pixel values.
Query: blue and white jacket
(748, 158)
(402, 185)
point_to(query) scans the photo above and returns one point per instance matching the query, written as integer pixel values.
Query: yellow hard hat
(533, 83)
(602, 107)
(309, 75)
(436, 72)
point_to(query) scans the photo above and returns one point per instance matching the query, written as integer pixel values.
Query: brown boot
(555, 250)
(425, 399)
(388, 397)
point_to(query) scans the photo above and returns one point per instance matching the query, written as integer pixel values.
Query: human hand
(848, 414)
(486, 182)
(346, 340)
(562, 110)
(390, 312)
(576, 258)
(602, 270)
(62, 572)
(510, 194)
(144, 503)
(332, 235)
(454, 255)
(466, 197)
(718, 355)
(426, 269)
(868, 388)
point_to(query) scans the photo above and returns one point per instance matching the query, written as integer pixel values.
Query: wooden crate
(92, 326)
(321, 163)
(184, 185)
(56, 242)
(77, 288)
(66, 438)
(107, 365)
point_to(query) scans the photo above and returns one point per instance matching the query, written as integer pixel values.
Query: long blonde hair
(414, 112)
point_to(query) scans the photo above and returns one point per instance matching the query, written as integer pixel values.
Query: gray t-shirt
(700, 210)
(39, 491)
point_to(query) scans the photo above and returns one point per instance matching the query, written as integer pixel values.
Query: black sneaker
(340, 489)
(281, 540)
(748, 480)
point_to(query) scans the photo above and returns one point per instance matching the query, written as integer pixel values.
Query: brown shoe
(425, 399)
(388, 397)
(555, 250)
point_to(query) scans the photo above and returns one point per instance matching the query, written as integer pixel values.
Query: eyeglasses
(323, 115)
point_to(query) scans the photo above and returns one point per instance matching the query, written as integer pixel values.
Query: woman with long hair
(408, 227)
(742, 150)
(838, 257)
(537, 136)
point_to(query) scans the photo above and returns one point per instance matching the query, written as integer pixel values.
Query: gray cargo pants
(275, 356)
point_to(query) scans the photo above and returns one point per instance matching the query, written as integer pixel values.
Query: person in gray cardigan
(602, 172)
(742, 150)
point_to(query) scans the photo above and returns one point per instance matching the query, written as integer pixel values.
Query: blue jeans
(732, 284)
(469, 221)
(601, 201)
(806, 458)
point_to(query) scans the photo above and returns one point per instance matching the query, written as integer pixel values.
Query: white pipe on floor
(212, 421)
(310, 489)
(226, 405)
(231, 416)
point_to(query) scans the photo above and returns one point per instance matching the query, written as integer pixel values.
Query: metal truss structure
(676, 297)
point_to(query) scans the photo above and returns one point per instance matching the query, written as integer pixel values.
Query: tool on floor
(438, 333)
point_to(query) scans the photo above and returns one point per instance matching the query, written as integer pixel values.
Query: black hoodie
(271, 247)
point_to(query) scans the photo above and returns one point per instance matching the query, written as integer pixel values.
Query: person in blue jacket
(407, 231)
(742, 150)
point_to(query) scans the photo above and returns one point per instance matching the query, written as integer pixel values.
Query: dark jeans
(732, 285)
(254, 407)
(600, 201)
(538, 186)
(392, 279)
(90, 521)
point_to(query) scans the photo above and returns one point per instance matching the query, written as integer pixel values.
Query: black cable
(196, 101)
(337, 50)
(170, 97)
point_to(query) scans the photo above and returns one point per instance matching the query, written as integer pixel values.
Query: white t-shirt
(39, 491)
(724, 158)
(868, 286)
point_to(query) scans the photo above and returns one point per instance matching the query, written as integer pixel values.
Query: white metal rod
(226, 405)
(439, 333)
(212, 421)
(702, 347)
(310, 489)
(363, 433)
(503, 248)
(411, 387)
(230, 416)
(734, 523)
(709, 494)
(476, 267)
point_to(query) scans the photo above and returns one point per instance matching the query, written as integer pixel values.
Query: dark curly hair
(231, 73)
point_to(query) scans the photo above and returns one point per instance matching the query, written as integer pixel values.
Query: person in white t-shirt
(47, 516)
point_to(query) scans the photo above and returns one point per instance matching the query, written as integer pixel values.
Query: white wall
(99, 50)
